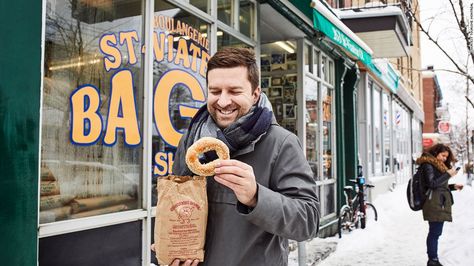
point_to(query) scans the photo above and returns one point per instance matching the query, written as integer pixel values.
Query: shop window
(326, 96)
(377, 115)
(246, 18)
(324, 68)
(312, 127)
(201, 4)
(92, 109)
(178, 79)
(225, 10)
(369, 112)
(316, 63)
(387, 138)
(227, 40)
(329, 200)
(308, 66)
(279, 80)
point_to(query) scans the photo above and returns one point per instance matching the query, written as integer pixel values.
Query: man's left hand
(239, 177)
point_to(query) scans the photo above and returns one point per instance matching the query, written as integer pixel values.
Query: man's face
(230, 94)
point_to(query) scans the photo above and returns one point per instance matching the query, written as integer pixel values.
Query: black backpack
(416, 191)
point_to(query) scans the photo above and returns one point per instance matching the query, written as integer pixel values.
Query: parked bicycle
(356, 210)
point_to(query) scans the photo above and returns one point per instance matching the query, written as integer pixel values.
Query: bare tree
(458, 9)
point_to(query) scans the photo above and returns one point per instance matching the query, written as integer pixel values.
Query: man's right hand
(177, 262)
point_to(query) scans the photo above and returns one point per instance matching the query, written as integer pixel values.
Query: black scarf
(240, 136)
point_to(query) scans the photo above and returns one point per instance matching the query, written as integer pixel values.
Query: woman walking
(436, 168)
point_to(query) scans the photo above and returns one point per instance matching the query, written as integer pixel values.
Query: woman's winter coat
(437, 207)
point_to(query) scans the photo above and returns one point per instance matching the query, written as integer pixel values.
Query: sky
(438, 17)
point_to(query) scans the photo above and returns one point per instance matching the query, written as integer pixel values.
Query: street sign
(444, 127)
(428, 142)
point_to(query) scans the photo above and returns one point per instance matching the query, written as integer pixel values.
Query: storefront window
(308, 66)
(225, 40)
(329, 196)
(326, 96)
(246, 18)
(279, 81)
(179, 81)
(387, 123)
(324, 71)
(368, 115)
(201, 4)
(316, 57)
(225, 9)
(377, 115)
(92, 109)
(312, 128)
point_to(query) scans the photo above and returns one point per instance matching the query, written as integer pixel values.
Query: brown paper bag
(181, 218)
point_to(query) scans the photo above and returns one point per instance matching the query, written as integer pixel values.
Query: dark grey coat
(287, 206)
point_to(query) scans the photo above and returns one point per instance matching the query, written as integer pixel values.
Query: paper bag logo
(185, 213)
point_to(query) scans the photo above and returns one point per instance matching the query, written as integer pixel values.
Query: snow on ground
(399, 236)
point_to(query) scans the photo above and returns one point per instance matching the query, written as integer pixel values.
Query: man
(265, 194)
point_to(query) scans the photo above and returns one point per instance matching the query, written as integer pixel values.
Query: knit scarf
(240, 136)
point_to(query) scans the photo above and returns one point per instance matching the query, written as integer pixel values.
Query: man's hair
(231, 57)
(439, 148)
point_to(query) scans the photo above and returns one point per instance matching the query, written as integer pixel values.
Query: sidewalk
(317, 250)
(398, 237)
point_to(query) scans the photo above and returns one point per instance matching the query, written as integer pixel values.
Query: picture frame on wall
(291, 57)
(289, 111)
(266, 91)
(265, 82)
(277, 105)
(278, 62)
(276, 91)
(277, 81)
(265, 65)
(289, 94)
(291, 79)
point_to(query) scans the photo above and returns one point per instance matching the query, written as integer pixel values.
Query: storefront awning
(325, 21)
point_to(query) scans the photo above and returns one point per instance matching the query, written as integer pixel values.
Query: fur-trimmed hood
(428, 158)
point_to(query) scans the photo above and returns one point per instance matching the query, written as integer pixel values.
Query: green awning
(322, 24)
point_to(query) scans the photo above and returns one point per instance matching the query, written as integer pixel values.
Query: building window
(92, 110)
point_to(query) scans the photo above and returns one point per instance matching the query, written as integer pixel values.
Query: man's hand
(458, 186)
(176, 262)
(239, 177)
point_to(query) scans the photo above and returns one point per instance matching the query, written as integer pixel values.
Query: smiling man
(265, 194)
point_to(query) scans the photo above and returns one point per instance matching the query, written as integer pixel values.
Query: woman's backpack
(416, 191)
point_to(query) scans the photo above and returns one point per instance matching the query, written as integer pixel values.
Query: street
(398, 237)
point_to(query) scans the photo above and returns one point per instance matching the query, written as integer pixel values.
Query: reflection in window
(201, 4)
(369, 112)
(225, 40)
(225, 9)
(387, 123)
(326, 96)
(312, 128)
(184, 68)
(246, 17)
(377, 131)
(91, 179)
(307, 58)
(279, 81)
(329, 203)
(316, 57)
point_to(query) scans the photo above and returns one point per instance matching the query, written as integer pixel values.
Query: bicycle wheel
(344, 222)
(370, 212)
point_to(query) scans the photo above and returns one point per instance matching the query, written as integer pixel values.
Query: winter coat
(287, 206)
(437, 207)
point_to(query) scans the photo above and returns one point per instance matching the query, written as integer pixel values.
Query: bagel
(201, 146)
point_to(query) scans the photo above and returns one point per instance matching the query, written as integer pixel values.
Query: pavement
(317, 250)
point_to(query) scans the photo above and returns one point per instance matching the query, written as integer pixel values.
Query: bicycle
(350, 215)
